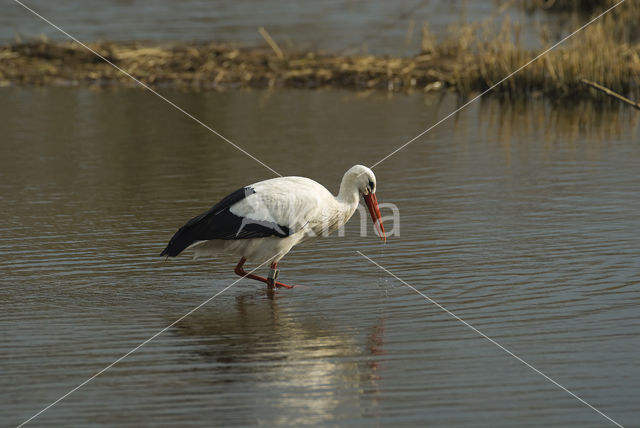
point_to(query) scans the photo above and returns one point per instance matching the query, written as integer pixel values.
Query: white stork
(263, 221)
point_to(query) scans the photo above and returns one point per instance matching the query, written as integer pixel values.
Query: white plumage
(263, 221)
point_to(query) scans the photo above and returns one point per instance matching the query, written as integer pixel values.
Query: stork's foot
(272, 284)
(273, 275)
(270, 280)
(279, 284)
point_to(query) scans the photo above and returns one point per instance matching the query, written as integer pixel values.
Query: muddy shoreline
(211, 66)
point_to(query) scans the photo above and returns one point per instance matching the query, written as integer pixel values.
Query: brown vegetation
(471, 59)
(211, 65)
(602, 53)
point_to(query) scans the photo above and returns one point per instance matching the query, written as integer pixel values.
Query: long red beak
(372, 204)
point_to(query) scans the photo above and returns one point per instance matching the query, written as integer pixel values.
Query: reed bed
(602, 53)
(470, 59)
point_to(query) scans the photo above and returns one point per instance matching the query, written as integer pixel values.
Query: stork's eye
(371, 185)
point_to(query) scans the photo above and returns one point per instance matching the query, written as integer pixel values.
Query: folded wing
(222, 221)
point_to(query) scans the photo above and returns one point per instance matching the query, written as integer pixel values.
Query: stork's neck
(348, 194)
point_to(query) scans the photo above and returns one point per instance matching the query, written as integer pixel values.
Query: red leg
(271, 283)
(241, 272)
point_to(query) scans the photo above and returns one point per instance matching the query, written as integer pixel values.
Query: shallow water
(522, 220)
(376, 26)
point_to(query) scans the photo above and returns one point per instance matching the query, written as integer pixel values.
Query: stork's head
(365, 181)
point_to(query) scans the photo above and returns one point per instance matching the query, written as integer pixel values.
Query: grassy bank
(212, 65)
(470, 59)
(600, 53)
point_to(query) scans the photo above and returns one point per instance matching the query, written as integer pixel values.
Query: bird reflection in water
(286, 366)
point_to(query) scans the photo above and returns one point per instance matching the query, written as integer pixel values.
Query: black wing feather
(220, 223)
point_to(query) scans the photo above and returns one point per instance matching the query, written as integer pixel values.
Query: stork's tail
(180, 240)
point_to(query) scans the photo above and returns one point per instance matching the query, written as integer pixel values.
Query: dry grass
(214, 65)
(602, 53)
(471, 59)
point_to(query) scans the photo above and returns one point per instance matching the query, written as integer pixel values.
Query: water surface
(523, 220)
(375, 26)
